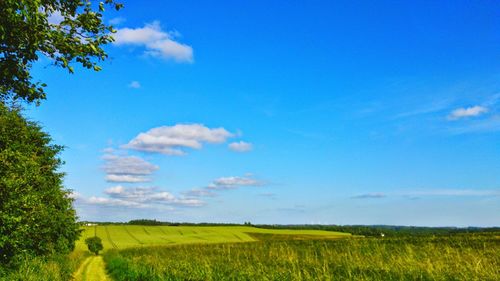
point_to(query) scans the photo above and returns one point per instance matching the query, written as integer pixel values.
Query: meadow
(187, 252)
(288, 257)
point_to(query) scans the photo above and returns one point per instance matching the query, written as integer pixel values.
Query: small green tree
(94, 244)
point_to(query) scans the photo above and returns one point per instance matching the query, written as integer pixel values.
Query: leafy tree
(36, 213)
(65, 31)
(94, 244)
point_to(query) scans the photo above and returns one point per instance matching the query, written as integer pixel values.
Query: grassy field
(55, 268)
(283, 257)
(127, 236)
(134, 252)
(120, 237)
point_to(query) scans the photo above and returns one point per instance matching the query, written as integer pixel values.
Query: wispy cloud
(369, 196)
(110, 202)
(171, 140)
(130, 169)
(117, 21)
(199, 192)
(140, 197)
(429, 108)
(240, 146)
(126, 178)
(491, 124)
(157, 42)
(467, 112)
(415, 194)
(134, 85)
(225, 183)
(454, 192)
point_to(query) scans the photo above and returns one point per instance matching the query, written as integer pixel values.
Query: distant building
(382, 235)
(90, 224)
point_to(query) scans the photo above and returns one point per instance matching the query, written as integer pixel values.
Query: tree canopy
(65, 31)
(94, 244)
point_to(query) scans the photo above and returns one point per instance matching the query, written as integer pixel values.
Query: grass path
(92, 269)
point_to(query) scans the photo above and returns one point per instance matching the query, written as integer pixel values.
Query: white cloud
(74, 195)
(157, 42)
(376, 195)
(233, 183)
(171, 139)
(126, 178)
(240, 146)
(149, 196)
(467, 112)
(134, 85)
(115, 190)
(127, 168)
(117, 21)
(111, 202)
(128, 165)
(197, 192)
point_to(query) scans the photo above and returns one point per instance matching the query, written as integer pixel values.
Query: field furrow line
(133, 237)
(162, 231)
(109, 238)
(237, 237)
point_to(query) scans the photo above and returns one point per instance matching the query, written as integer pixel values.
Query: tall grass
(54, 268)
(428, 258)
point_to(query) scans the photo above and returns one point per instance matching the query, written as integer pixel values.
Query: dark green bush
(94, 244)
(36, 213)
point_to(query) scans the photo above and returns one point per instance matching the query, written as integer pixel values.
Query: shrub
(94, 244)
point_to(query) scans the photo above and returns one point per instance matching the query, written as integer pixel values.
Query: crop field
(127, 236)
(134, 252)
(284, 257)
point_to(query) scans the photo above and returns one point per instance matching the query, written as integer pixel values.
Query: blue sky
(286, 112)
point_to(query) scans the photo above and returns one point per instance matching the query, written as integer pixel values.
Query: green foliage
(26, 33)
(94, 244)
(461, 257)
(36, 213)
(53, 268)
(145, 222)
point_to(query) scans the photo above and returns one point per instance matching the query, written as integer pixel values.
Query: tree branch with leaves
(27, 32)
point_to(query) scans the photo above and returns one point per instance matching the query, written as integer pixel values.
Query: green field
(122, 237)
(283, 257)
(135, 252)
(127, 236)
